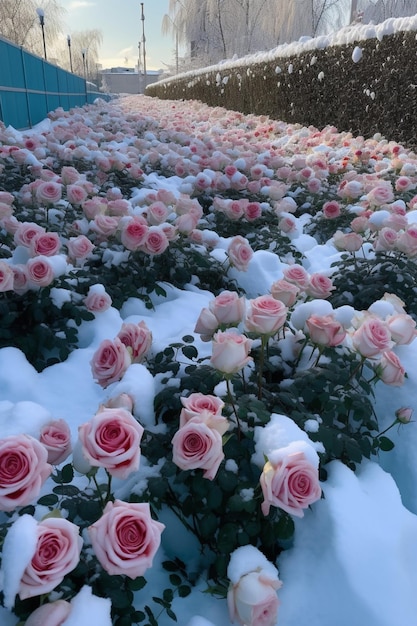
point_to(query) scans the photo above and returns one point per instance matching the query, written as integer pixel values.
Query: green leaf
(168, 595)
(48, 500)
(137, 583)
(67, 473)
(190, 352)
(385, 444)
(184, 591)
(66, 490)
(175, 580)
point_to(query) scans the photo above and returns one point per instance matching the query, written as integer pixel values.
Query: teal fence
(30, 87)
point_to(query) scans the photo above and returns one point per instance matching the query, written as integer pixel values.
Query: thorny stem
(231, 401)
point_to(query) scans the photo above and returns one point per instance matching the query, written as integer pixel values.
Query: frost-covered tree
(19, 22)
(219, 29)
(377, 11)
(85, 46)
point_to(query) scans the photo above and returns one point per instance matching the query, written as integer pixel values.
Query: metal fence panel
(30, 87)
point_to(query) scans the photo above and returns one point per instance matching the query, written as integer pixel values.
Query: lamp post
(69, 51)
(139, 68)
(143, 47)
(41, 16)
(84, 55)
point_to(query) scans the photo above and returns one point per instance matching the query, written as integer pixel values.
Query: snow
(354, 552)
(353, 548)
(18, 550)
(84, 605)
(347, 35)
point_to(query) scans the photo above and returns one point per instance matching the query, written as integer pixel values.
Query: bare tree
(85, 46)
(379, 10)
(218, 29)
(19, 22)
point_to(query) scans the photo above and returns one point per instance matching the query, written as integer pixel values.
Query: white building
(127, 80)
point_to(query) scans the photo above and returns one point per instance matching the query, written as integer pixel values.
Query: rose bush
(321, 342)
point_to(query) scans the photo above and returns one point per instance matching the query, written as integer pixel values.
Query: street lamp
(69, 51)
(84, 54)
(41, 16)
(143, 47)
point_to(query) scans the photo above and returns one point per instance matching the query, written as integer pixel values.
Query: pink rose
(372, 337)
(47, 244)
(359, 224)
(197, 446)
(266, 315)
(206, 325)
(134, 232)
(110, 361)
(331, 209)
(56, 437)
(97, 299)
(383, 194)
(49, 192)
(404, 414)
(94, 206)
(197, 402)
(69, 175)
(111, 439)
(407, 241)
(230, 351)
(156, 241)
(253, 600)
(285, 292)
(234, 210)
(289, 481)
(324, 330)
(240, 253)
(386, 240)
(203, 407)
(319, 286)
(297, 275)
(125, 539)
(253, 211)
(39, 271)
(76, 194)
(137, 338)
(121, 401)
(187, 222)
(20, 278)
(6, 211)
(402, 328)
(350, 242)
(23, 470)
(105, 225)
(390, 369)
(118, 207)
(6, 277)
(57, 554)
(157, 213)
(79, 247)
(6, 197)
(228, 307)
(25, 233)
(51, 614)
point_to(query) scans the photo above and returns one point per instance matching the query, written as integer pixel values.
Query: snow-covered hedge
(360, 79)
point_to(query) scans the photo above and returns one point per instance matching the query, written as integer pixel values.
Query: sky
(121, 26)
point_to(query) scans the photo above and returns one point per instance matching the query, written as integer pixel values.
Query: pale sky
(121, 26)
